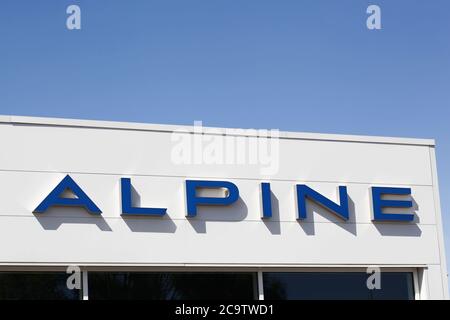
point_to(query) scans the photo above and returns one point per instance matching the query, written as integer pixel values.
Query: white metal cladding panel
(115, 240)
(435, 282)
(68, 149)
(23, 191)
(97, 158)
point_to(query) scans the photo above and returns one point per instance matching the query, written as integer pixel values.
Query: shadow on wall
(155, 224)
(398, 228)
(54, 217)
(233, 213)
(150, 224)
(308, 225)
(238, 211)
(274, 224)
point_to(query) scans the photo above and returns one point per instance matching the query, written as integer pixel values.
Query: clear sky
(279, 64)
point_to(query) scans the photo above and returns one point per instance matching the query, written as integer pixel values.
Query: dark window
(336, 285)
(171, 286)
(35, 286)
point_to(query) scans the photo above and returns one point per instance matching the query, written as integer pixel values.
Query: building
(166, 212)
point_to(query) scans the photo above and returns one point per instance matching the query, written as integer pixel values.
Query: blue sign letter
(266, 195)
(303, 192)
(127, 207)
(55, 199)
(379, 204)
(193, 201)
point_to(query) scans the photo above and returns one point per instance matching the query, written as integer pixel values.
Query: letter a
(374, 20)
(55, 199)
(74, 20)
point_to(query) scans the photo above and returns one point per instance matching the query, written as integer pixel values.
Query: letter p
(193, 200)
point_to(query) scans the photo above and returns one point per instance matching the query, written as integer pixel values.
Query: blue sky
(292, 65)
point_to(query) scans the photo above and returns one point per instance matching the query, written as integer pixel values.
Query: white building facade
(261, 240)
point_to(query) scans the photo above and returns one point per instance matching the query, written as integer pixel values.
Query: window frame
(418, 272)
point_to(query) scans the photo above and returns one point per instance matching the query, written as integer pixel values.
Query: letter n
(341, 210)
